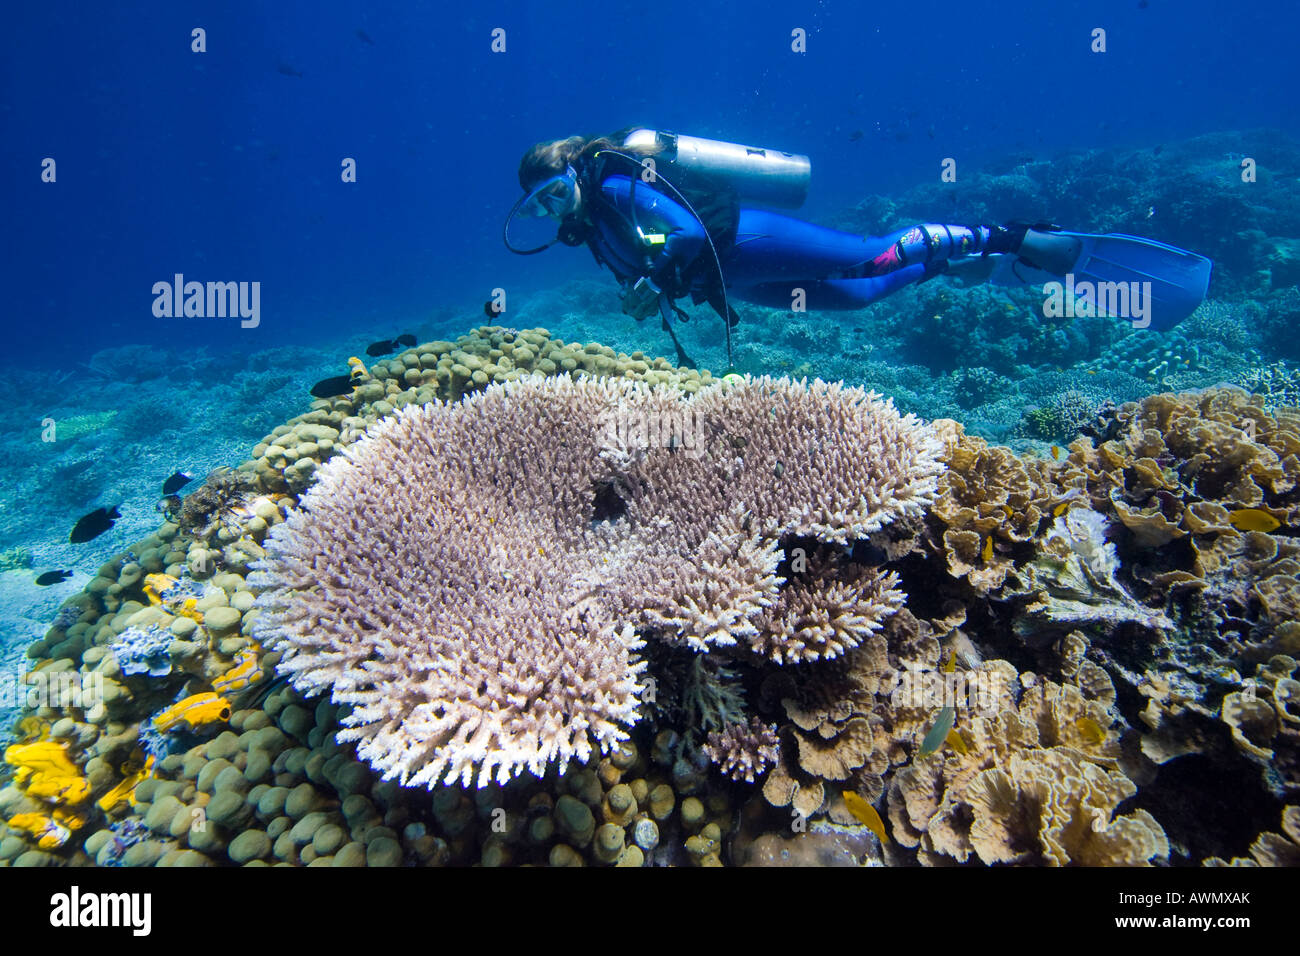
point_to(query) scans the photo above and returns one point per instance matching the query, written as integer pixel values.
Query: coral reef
(144, 650)
(607, 532)
(205, 508)
(1272, 849)
(743, 751)
(1064, 415)
(1278, 385)
(1072, 578)
(1038, 782)
(1018, 658)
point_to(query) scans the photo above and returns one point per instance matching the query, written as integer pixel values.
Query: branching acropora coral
(744, 751)
(474, 579)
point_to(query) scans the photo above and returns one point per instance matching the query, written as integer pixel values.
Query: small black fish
(490, 309)
(856, 135)
(176, 482)
(287, 70)
(53, 577)
(364, 37)
(332, 386)
(384, 346)
(91, 526)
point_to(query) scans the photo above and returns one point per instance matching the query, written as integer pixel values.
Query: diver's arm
(682, 235)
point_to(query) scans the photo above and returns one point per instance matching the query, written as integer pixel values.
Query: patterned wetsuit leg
(776, 254)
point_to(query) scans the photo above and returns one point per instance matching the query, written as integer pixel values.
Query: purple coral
(744, 751)
(143, 650)
(126, 834)
(474, 578)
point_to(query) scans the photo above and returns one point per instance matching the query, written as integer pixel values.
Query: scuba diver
(664, 213)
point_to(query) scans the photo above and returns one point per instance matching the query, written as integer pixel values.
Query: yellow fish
(126, 789)
(865, 813)
(1253, 519)
(950, 664)
(1060, 509)
(359, 369)
(198, 710)
(245, 672)
(1093, 731)
(955, 741)
(988, 549)
(1058, 452)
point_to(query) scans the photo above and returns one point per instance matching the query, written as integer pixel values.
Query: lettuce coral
(1072, 578)
(1040, 784)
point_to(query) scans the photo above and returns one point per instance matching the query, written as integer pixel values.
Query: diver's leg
(771, 247)
(827, 294)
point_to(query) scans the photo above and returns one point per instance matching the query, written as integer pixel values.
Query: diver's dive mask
(556, 197)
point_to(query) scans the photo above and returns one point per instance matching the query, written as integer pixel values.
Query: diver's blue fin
(1178, 278)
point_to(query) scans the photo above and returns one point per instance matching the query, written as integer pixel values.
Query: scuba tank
(766, 176)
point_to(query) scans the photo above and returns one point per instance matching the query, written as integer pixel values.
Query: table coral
(519, 506)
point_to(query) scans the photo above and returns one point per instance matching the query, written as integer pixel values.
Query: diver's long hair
(550, 158)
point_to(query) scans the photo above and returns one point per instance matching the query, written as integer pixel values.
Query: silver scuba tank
(766, 176)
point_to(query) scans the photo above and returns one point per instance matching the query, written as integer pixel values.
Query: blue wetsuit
(772, 254)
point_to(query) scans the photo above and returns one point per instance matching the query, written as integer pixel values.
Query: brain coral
(474, 578)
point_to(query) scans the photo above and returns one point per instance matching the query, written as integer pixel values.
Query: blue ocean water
(147, 141)
(225, 165)
(218, 156)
